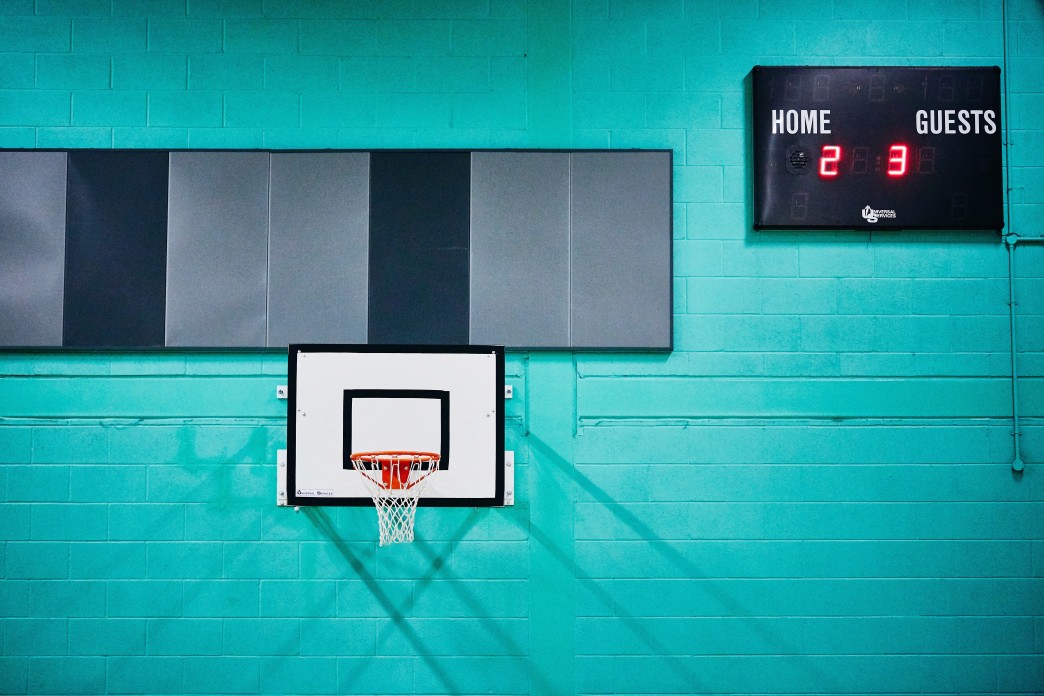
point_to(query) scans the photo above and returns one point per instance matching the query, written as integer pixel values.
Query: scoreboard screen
(877, 147)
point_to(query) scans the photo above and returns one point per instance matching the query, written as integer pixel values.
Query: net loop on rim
(395, 481)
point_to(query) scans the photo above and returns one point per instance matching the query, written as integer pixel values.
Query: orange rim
(391, 455)
(396, 467)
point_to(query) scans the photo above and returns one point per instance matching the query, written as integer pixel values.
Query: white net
(395, 480)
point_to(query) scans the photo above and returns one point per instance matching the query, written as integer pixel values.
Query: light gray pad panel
(621, 250)
(520, 248)
(32, 247)
(217, 249)
(319, 248)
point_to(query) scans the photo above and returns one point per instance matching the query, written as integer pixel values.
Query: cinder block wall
(811, 494)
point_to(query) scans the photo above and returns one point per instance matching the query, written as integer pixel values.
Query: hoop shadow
(660, 547)
(437, 559)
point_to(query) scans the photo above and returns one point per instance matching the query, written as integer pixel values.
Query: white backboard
(346, 399)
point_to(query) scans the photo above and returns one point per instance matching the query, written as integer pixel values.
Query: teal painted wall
(811, 494)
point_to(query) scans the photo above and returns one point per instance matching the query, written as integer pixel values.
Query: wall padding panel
(519, 233)
(32, 247)
(318, 271)
(217, 258)
(620, 242)
(116, 248)
(419, 247)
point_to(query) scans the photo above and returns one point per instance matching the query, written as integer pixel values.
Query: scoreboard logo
(871, 215)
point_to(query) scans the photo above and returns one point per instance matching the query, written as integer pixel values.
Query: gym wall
(812, 493)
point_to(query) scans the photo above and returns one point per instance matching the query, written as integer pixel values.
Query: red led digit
(897, 160)
(829, 160)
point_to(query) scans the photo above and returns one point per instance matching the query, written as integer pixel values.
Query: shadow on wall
(686, 567)
(214, 458)
(437, 560)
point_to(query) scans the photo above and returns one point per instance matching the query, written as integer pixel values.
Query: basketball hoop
(395, 481)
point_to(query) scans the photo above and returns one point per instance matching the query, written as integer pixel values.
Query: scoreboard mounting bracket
(877, 148)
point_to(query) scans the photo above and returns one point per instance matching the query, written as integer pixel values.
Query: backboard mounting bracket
(509, 478)
(281, 478)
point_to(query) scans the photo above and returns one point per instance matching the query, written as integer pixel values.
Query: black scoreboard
(877, 147)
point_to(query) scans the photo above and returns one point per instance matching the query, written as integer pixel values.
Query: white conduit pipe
(1011, 240)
